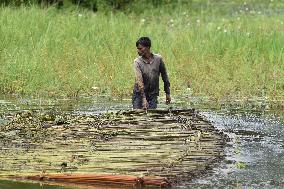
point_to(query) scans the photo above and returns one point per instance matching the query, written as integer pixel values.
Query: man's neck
(148, 57)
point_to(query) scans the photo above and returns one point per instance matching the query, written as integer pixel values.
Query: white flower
(225, 30)
(142, 20)
(80, 15)
(95, 88)
(218, 28)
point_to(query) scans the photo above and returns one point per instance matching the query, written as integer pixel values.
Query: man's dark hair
(144, 41)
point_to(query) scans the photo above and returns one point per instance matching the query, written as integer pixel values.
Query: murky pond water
(254, 156)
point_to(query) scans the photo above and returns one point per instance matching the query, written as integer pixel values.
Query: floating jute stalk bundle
(101, 179)
(151, 146)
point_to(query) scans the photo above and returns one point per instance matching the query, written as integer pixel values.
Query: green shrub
(103, 5)
(29, 2)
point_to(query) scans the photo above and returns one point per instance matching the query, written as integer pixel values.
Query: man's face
(141, 50)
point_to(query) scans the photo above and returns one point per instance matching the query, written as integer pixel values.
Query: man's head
(143, 46)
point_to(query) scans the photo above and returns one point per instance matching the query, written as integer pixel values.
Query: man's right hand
(145, 103)
(168, 99)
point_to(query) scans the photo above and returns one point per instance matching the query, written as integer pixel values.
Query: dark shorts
(137, 101)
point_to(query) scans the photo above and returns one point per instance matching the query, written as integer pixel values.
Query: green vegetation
(229, 49)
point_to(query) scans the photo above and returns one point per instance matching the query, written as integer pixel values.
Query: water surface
(254, 156)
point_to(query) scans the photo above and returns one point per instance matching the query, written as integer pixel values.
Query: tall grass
(52, 52)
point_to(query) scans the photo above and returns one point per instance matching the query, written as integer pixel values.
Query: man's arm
(166, 81)
(139, 78)
(139, 81)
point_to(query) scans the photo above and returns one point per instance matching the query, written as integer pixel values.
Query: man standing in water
(147, 68)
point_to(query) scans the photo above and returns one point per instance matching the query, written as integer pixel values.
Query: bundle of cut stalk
(101, 179)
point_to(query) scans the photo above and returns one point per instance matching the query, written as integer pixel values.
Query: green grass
(235, 52)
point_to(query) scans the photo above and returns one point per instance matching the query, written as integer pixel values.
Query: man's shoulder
(157, 56)
(137, 60)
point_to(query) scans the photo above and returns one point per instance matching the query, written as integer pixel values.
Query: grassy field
(225, 50)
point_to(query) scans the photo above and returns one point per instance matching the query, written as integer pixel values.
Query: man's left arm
(166, 81)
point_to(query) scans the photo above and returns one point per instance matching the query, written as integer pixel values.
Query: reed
(67, 53)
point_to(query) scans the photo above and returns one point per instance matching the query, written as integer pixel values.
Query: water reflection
(255, 156)
(4, 184)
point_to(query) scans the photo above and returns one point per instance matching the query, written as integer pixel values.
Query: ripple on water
(257, 142)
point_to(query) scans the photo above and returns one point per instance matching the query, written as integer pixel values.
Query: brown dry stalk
(97, 179)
